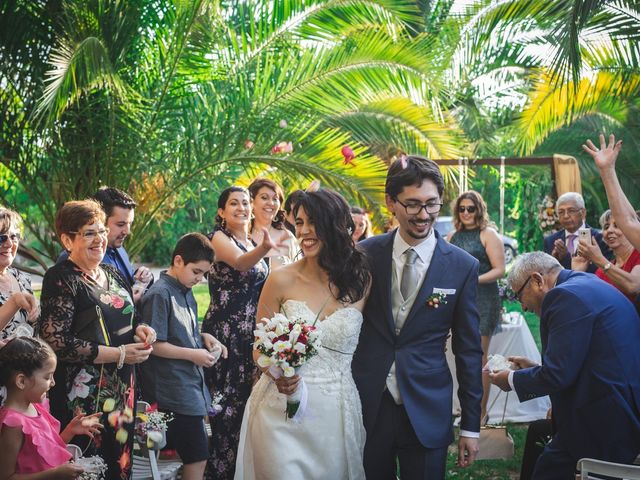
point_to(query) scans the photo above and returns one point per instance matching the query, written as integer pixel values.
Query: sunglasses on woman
(14, 237)
(469, 209)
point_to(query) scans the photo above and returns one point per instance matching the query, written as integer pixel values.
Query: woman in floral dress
(88, 319)
(18, 307)
(235, 283)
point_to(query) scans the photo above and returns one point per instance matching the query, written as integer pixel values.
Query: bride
(329, 283)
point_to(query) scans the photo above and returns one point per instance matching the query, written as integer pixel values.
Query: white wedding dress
(328, 442)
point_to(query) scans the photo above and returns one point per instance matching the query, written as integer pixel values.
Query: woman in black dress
(88, 318)
(235, 283)
(474, 234)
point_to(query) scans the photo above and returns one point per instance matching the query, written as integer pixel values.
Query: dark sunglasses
(469, 209)
(15, 237)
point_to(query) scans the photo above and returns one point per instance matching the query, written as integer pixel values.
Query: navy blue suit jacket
(422, 373)
(566, 260)
(590, 367)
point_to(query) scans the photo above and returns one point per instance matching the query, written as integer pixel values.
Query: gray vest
(400, 309)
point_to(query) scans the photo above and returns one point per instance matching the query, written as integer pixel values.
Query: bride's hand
(287, 385)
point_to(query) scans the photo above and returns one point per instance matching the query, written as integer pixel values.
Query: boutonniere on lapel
(436, 299)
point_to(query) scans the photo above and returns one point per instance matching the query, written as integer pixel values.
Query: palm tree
(161, 97)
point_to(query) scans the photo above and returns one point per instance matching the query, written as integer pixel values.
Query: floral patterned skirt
(84, 389)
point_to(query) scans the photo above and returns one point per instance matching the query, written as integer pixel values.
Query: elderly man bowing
(590, 362)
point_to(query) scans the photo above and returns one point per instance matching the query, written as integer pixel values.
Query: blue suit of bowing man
(399, 366)
(590, 336)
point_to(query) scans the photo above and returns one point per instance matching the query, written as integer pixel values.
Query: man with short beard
(119, 209)
(422, 288)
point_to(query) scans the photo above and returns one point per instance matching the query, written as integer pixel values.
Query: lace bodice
(339, 333)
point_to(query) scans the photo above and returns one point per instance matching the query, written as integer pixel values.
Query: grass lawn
(483, 469)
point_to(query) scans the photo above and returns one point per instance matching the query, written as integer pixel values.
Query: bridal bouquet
(286, 344)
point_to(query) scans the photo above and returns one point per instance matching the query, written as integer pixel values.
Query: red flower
(116, 301)
(347, 153)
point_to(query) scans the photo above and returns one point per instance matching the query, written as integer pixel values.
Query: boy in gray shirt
(173, 375)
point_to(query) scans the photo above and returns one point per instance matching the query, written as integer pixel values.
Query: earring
(223, 223)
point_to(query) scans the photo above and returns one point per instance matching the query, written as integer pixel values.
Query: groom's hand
(467, 451)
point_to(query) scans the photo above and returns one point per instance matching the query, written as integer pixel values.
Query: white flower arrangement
(284, 345)
(151, 426)
(547, 217)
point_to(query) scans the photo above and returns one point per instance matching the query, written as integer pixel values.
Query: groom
(422, 288)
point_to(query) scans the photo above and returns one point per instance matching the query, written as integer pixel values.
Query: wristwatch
(607, 266)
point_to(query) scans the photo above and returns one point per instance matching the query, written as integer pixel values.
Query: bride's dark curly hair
(347, 267)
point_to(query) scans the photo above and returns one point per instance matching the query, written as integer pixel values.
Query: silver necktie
(409, 280)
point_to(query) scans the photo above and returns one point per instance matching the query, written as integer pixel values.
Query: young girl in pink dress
(30, 441)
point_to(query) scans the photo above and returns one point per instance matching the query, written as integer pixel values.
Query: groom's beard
(421, 227)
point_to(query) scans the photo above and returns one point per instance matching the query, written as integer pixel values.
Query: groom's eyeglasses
(414, 208)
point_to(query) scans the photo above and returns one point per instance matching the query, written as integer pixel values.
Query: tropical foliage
(166, 97)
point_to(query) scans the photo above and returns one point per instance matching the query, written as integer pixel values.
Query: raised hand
(605, 156)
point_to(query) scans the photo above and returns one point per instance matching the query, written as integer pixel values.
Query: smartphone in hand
(584, 234)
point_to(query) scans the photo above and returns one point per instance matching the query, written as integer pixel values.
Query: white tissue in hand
(497, 363)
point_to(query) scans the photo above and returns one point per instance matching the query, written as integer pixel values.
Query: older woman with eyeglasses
(18, 306)
(474, 235)
(88, 318)
(623, 272)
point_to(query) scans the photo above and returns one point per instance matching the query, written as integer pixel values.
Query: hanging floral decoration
(547, 217)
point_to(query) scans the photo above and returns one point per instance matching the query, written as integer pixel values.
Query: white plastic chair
(587, 466)
(147, 465)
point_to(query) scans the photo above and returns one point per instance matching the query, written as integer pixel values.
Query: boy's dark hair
(23, 354)
(109, 197)
(193, 247)
(412, 170)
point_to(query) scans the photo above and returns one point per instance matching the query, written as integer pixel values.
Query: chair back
(587, 466)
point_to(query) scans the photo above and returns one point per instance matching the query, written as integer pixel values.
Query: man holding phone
(564, 244)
